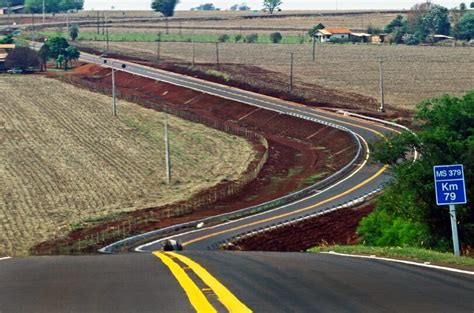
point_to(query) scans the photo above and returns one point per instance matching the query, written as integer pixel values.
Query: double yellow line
(194, 293)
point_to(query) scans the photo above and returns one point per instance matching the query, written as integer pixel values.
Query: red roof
(338, 30)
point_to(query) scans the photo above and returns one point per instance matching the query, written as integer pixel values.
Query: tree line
(51, 6)
(427, 19)
(167, 7)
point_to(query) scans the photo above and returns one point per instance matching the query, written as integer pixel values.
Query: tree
(57, 46)
(7, 40)
(446, 136)
(463, 7)
(71, 54)
(43, 55)
(465, 27)
(276, 37)
(271, 5)
(315, 28)
(240, 7)
(166, 7)
(206, 7)
(22, 58)
(399, 22)
(53, 6)
(73, 32)
(472, 5)
(435, 21)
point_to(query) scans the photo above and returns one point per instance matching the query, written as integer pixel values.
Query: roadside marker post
(450, 188)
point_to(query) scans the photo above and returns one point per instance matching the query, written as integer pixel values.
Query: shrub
(382, 229)
(276, 37)
(252, 38)
(223, 38)
(22, 58)
(412, 39)
(238, 37)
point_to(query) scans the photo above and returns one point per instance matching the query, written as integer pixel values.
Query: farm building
(361, 37)
(12, 10)
(3, 54)
(379, 38)
(333, 33)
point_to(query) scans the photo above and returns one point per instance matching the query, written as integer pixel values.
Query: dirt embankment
(337, 227)
(300, 152)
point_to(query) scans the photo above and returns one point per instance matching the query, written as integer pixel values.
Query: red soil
(338, 227)
(298, 149)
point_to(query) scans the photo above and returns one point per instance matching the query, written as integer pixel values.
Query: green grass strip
(405, 253)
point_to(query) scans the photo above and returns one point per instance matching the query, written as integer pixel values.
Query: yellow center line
(195, 295)
(227, 298)
(383, 169)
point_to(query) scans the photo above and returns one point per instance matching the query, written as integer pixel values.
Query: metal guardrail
(261, 230)
(135, 240)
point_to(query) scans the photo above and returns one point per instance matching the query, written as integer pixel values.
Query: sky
(257, 4)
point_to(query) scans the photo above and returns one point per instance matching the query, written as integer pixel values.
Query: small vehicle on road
(171, 245)
(15, 71)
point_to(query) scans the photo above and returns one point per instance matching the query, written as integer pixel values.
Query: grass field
(412, 73)
(65, 159)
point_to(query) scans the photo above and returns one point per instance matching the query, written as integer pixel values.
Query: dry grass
(64, 159)
(412, 73)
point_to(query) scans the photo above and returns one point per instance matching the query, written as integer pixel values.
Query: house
(18, 9)
(3, 54)
(333, 33)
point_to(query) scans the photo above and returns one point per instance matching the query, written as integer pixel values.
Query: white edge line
(140, 248)
(449, 269)
(5, 258)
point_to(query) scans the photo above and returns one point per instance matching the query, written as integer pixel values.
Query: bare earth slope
(64, 158)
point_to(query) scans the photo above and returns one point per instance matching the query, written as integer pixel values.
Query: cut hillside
(64, 159)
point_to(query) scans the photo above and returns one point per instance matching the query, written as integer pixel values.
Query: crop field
(411, 73)
(64, 159)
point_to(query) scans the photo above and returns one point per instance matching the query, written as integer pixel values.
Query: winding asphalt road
(212, 281)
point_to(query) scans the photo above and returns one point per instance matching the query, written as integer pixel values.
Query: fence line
(132, 224)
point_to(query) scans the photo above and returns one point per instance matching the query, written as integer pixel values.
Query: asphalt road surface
(263, 282)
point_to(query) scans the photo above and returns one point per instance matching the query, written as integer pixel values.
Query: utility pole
(107, 38)
(67, 21)
(98, 24)
(158, 47)
(382, 94)
(33, 30)
(194, 52)
(114, 100)
(103, 23)
(167, 152)
(291, 72)
(217, 56)
(314, 49)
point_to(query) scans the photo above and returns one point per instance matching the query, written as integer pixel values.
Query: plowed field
(64, 158)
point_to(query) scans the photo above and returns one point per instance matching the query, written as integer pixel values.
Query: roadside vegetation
(406, 214)
(404, 253)
(65, 159)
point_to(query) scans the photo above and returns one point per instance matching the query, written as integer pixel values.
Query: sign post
(450, 190)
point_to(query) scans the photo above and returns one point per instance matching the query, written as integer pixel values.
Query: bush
(238, 37)
(252, 38)
(412, 39)
(223, 38)
(382, 229)
(276, 37)
(22, 58)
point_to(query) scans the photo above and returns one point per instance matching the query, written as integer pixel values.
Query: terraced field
(64, 158)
